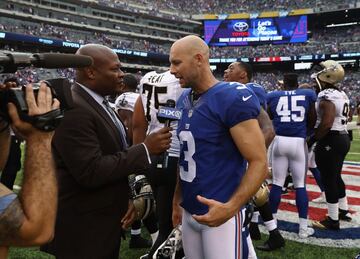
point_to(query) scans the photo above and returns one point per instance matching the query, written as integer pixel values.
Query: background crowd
(225, 6)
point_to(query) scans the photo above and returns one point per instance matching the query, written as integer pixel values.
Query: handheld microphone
(166, 115)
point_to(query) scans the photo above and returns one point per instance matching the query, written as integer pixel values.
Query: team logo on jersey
(246, 98)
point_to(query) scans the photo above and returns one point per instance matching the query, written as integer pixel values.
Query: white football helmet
(332, 73)
(172, 246)
(142, 195)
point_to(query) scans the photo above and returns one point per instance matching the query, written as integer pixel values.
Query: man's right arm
(139, 123)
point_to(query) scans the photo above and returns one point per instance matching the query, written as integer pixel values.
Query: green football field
(292, 249)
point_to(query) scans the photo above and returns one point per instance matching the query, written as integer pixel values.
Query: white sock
(343, 203)
(270, 225)
(303, 223)
(275, 218)
(255, 217)
(333, 209)
(135, 232)
(154, 236)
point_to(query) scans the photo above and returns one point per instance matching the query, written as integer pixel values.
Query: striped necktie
(117, 122)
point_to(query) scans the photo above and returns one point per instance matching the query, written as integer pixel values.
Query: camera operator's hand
(42, 104)
(158, 141)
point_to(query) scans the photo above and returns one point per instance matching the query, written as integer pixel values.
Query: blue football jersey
(210, 163)
(289, 110)
(260, 93)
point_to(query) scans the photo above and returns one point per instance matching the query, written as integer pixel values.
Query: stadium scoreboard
(245, 32)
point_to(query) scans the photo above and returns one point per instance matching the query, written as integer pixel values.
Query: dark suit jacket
(92, 169)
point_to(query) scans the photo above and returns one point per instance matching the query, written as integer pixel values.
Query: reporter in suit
(93, 161)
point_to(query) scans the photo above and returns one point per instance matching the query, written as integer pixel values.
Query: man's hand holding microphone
(160, 141)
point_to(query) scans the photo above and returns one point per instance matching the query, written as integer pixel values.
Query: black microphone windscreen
(170, 103)
(59, 60)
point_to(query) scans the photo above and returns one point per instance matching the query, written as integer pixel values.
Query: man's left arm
(250, 142)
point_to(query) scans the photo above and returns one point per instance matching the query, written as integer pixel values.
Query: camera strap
(47, 121)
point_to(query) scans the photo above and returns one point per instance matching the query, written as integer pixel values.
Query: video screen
(245, 32)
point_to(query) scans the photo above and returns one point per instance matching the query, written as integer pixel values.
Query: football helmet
(142, 196)
(262, 195)
(332, 73)
(172, 246)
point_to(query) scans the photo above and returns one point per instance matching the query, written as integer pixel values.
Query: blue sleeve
(237, 105)
(261, 95)
(5, 201)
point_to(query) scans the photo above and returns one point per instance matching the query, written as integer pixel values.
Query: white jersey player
(126, 101)
(333, 142)
(341, 103)
(155, 90)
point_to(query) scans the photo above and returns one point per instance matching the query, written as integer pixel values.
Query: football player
(242, 72)
(219, 134)
(332, 141)
(155, 90)
(124, 105)
(293, 113)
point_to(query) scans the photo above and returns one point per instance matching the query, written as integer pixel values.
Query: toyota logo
(240, 26)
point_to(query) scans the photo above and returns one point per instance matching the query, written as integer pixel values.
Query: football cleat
(275, 241)
(327, 223)
(344, 215)
(306, 232)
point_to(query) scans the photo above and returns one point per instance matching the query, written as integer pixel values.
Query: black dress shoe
(254, 231)
(275, 241)
(139, 242)
(327, 223)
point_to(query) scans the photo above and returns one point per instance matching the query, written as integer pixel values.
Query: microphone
(166, 115)
(45, 60)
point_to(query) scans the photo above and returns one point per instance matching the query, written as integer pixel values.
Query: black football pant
(163, 182)
(330, 154)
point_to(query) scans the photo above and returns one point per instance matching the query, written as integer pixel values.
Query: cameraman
(29, 219)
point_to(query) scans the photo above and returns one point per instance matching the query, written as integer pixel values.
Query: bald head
(104, 75)
(100, 54)
(192, 45)
(189, 62)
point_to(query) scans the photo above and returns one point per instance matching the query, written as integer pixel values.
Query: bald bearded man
(93, 162)
(218, 132)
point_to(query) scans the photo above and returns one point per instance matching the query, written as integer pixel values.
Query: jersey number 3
(296, 113)
(188, 175)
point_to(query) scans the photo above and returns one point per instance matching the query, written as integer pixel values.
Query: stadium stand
(232, 6)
